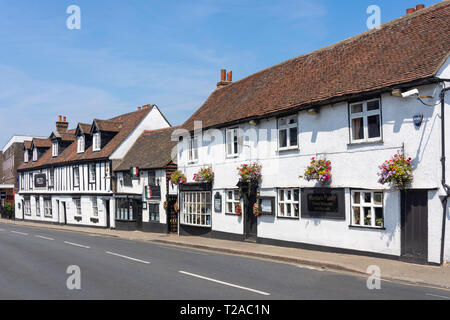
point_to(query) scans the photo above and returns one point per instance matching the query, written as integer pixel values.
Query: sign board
(40, 180)
(217, 202)
(323, 203)
(267, 206)
(152, 192)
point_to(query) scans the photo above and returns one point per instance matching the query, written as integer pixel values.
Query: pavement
(391, 270)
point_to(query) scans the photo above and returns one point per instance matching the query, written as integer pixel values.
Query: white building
(67, 178)
(342, 103)
(144, 197)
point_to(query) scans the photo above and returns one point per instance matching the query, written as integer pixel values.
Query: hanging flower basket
(256, 210)
(204, 175)
(165, 205)
(175, 207)
(178, 178)
(397, 172)
(319, 170)
(249, 173)
(238, 210)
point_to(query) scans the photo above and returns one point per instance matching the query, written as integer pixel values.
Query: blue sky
(131, 53)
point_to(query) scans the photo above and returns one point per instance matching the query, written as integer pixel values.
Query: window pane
(358, 129)
(357, 215)
(289, 210)
(289, 194)
(293, 136)
(374, 126)
(281, 209)
(283, 138)
(373, 105)
(236, 196)
(367, 216)
(367, 197)
(357, 198)
(379, 217)
(296, 195)
(281, 195)
(230, 207)
(378, 198)
(357, 108)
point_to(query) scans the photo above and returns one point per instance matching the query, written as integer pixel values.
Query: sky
(169, 53)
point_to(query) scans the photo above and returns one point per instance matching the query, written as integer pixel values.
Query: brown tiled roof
(27, 144)
(69, 155)
(151, 151)
(85, 127)
(108, 125)
(408, 49)
(42, 143)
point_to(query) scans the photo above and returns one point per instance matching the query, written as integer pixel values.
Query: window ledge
(367, 228)
(288, 218)
(365, 142)
(288, 149)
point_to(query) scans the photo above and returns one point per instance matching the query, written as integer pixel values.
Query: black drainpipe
(444, 183)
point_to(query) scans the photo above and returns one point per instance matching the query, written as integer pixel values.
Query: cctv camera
(410, 93)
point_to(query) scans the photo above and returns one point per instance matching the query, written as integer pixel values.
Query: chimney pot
(410, 10)
(64, 118)
(222, 74)
(61, 124)
(59, 118)
(139, 108)
(230, 76)
(420, 6)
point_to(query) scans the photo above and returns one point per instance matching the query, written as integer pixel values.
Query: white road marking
(2, 229)
(42, 237)
(122, 256)
(22, 233)
(76, 244)
(225, 283)
(438, 296)
(310, 268)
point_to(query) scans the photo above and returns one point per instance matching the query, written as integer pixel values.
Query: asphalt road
(34, 261)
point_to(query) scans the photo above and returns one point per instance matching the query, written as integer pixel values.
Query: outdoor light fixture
(410, 93)
(313, 111)
(396, 93)
(253, 122)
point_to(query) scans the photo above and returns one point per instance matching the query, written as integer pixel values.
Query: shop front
(128, 212)
(195, 208)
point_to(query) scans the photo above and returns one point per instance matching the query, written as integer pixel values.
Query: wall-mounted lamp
(253, 122)
(313, 111)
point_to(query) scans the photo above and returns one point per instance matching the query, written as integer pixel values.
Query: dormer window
(81, 144)
(35, 154)
(25, 156)
(55, 149)
(96, 141)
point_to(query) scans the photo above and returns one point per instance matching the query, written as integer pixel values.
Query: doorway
(172, 214)
(64, 211)
(414, 225)
(106, 204)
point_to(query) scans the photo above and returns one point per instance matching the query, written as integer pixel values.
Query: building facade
(352, 106)
(68, 178)
(144, 197)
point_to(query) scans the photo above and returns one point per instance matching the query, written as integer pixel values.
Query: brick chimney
(61, 124)
(420, 6)
(410, 10)
(225, 78)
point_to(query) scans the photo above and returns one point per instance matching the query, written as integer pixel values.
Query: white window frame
(48, 212)
(35, 154)
(232, 143)
(284, 203)
(55, 149)
(193, 148)
(233, 201)
(77, 204)
(284, 124)
(92, 172)
(28, 207)
(81, 144)
(96, 141)
(26, 156)
(94, 206)
(76, 177)
(192, 204)
(372, 205)
(38, 206)
(30, 181)
(51, 177)
(365, 114)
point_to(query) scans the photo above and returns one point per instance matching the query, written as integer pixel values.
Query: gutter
(443, 159)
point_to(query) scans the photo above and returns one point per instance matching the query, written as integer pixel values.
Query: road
(34, 261)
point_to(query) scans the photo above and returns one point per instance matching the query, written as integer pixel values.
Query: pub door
(172, 215)
(414, 225)
(138, 206)
(250, 221)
